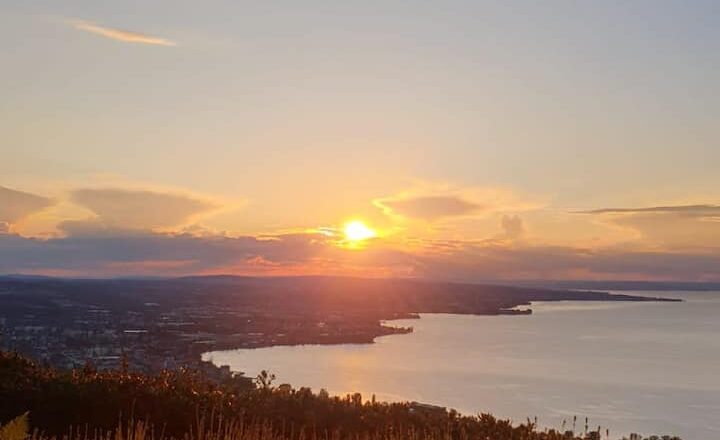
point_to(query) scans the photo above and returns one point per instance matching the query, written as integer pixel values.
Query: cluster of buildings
(146, 341)
(150, 326)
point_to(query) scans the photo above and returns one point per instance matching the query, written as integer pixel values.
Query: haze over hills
(630, 285)
(578, 284)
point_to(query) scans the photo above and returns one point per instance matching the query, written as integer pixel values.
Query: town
(151, 325)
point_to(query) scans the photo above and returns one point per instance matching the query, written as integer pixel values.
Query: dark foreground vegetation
(86, 404)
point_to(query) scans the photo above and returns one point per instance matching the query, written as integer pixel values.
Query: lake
(633, 367)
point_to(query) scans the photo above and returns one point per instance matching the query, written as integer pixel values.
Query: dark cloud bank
(123, 239)
(132, 252)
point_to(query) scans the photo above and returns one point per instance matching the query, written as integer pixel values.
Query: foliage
(184, 404)
(16, 429)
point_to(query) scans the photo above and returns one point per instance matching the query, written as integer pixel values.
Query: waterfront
(644, 367)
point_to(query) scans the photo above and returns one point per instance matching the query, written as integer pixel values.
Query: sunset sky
(474, 140)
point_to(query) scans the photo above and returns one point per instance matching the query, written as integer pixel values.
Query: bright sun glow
(358, 231)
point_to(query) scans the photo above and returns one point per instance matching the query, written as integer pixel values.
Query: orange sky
(479, 140)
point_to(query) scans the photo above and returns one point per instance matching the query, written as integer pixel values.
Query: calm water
(635, 367)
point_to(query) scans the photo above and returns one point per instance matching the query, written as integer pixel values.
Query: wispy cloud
(432, 202)
(683, 209)
(671, 226)
(141, 209)
(15, 205)
(122, 35)
(428, 207)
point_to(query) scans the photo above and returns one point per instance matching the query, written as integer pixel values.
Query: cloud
(97, 228)
(427, 207)
(673, 227)
(691, 210)
(111, 252)
(138, 209)
(432, 202)
(513, 227)
(16, 205)
(474, 263)
(122, 35)
(145, 232)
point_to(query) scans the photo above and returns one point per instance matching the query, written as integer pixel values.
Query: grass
(41, 403)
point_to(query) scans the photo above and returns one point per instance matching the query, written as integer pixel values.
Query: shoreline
(398, 330)
(167, 324)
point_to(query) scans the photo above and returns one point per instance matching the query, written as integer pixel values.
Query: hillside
(186, 404)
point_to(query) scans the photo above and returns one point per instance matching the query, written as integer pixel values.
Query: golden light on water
(357, 231)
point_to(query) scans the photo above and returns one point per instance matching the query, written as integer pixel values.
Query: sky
(478, 140)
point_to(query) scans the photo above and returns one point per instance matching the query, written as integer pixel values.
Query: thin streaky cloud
(122, 35)
(690, 209)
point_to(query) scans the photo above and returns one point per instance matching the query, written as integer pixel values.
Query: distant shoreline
(168, 323)
(578, 296)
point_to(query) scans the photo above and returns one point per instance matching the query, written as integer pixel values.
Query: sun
(356, 231)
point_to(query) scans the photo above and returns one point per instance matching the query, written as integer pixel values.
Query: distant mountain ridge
(637, 285)
(621, 285)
